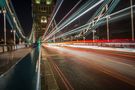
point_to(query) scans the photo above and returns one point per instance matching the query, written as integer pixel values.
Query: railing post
(132, 20)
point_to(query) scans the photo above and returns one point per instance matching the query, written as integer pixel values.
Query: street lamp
(14, 32)
(108, 31)
(132, 20)
(4, 13)
(93, 31)
(54, 38)
(43, 19)
(71, 39)
(84, 39)
(20, 40)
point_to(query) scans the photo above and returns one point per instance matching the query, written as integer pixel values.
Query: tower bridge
(72, 45)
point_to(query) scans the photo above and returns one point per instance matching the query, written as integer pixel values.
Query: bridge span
(72, 45)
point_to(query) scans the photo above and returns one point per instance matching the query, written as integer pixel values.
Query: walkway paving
(8, 59)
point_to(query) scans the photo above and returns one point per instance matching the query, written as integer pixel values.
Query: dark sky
(23, 10)
(24, 13)
(65, 8)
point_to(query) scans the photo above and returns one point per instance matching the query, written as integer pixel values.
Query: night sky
(24, 12)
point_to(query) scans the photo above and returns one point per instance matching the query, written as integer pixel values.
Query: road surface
(89, 69)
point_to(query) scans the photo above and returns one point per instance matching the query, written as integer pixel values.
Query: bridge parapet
(10, 47)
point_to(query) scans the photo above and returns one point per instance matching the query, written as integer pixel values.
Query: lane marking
(62, 76)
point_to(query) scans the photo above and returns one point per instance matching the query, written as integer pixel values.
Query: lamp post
(93, 31)
(4, 13)
(107, 22)
(54, 38)
(20, 41)
(84, 39)
(132, 20)
(108, 31)
(71, 38)
(14, 32)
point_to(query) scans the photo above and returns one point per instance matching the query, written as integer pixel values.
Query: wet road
(89, 69)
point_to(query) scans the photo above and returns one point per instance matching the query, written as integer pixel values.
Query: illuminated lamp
(37, 1)
(48, 2)
(43, 19)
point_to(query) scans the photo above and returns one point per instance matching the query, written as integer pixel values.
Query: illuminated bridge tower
(41, 11)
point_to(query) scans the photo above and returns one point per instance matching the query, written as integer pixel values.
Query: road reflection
(88, 69)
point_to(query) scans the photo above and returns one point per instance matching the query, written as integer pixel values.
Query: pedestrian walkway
(8, 59)
(22, 75)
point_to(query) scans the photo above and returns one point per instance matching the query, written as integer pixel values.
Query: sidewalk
(8, 59)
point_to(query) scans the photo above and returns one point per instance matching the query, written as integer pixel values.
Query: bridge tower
(41, 12)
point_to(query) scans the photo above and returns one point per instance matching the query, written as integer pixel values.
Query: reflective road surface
(89, 69)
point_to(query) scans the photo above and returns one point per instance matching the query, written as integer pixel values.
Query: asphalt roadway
(89, 69)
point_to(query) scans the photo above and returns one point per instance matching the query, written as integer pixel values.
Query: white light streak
(78, 29)
(76, 18)
(65, 17)
(53, 17)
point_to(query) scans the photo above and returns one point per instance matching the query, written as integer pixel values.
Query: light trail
(73, 31)
(114, 66)
(73, 16)
(76, 30)
(69, 12)
(53, 18)
(70, 18)
(65, 17)
(78, 12)
(77, 17)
